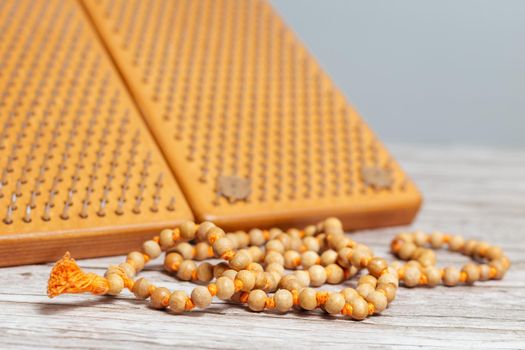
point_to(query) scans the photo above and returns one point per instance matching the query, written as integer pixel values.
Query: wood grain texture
(475, 192)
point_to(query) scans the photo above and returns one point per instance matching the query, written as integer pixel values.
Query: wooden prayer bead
(249, 272)
(283, 300)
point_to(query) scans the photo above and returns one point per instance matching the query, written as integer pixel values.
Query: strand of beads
(421, 269)
(253, 269)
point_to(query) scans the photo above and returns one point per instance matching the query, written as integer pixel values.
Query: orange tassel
(67, 277)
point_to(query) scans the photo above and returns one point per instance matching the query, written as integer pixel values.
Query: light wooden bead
(138, 260)
(360, 258)
(368, 279)
(216, 233)
(406, 251)
(484, 272)
(303, 277)
(233, 237)
(494, 253)
(274, 232)
(115, 284)
(128, 269)
(412, 276)
(166, 238)
(254, 267)
(172, 261)
(451, 276)
(333, 225)
(500, 268)
(202, 231)
(187, 230)
(219, 269)
(185, 249)
(420, 238)
(141, 288)
(273, 280)
(205, 272)
(377, 299)
(328, 257)
(309, 258)
(470, 247)
(291, 259)
(389, 278)
(222, 245)
(472, 271)
(359, 308)
(456, 243)
(427, 258)
(256, 237)
(158, 298)
(364, 289)
(339, 242)
(344, 255)
(433, 276)
(335, 303)
(296, 244)
(290, 282)
(283, 300)
(310, 230)
(311, 243)
(256, 253)
(308, 299)
(225, 288)
(240, 260)
(247, 278)
(151, 249)
(202, 250)
(437, 240)
(389, 289)
(274, 257)
(230, 273)
(376, 266)
(349, 294)
(275, 267)
(201, 297)
(334, 274)
(275, 245)
(257, 300)
(317, 275)
(177, 302)
(186, 270)
(285, 240)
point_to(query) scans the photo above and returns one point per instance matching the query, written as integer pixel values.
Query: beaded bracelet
(252, 275)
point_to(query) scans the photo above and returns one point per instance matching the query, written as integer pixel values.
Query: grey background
(449, 71)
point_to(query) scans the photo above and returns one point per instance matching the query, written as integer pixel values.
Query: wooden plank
(476, 192)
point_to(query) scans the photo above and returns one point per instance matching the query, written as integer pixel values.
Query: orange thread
(446, 239)
(295, 295)
(210, 252)
(212, 288)
(423, 279)
(301, 233)
(238, 284)
(228, 255)
(371, 308)
(270, 303)
(243, 298)
(266, 235)
(347, 310)
(166, 300)
(401, 273)
(318, 260)
(151, 289)
(176, 234)
(156, 239)
(347, 273)
(194, 275)
(67, 277)
(463, 276)
(303, 248)
(212, 238)
(492, 272)
(146, 258)
(321, 298)
(189, 304)
(296, 261)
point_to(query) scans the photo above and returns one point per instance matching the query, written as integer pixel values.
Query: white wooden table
(479, 193)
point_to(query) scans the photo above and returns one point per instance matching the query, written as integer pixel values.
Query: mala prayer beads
(253, 270)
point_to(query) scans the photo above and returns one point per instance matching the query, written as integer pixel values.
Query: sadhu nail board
(254, 132)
